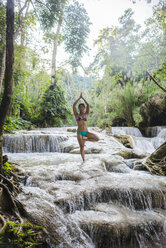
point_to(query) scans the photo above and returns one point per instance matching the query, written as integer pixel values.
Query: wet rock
(69, 147)
(131, 153)
(125, 140)
(116, 164)
(140, 167)
(97, 129)
(73, 130)
(88, 150)
(136, 153)
(113, 160)
(156, 162)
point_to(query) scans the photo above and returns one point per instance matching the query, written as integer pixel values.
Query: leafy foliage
(49, 12)
(54, 108)
(75, 32)
(124, 54)
(22, 235)
(16, 123)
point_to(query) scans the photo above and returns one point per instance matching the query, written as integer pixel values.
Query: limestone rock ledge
(156, 162)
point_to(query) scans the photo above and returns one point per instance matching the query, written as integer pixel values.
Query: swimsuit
(83, 133)
(80, 119)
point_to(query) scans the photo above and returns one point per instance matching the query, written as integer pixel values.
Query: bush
(15, 123)
(54, 109)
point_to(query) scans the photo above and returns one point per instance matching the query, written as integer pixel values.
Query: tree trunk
(22, 29)
(2, 69)
(3, 60)
(7, 95)
(55, 47)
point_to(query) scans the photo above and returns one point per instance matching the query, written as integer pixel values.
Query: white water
(126, 130)
(116, 206)
(154, 131)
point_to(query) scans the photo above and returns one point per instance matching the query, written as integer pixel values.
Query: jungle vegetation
(116, 84)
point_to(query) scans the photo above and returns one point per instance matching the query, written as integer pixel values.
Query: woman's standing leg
(81, 144)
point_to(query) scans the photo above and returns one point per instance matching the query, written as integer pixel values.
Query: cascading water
(101, 203)
(126, 130)
(154, 131)
(32, 143)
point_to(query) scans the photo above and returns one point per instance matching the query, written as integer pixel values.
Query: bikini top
(80, 119)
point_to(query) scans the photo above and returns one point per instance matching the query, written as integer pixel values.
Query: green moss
(7, 168)
(21, 235)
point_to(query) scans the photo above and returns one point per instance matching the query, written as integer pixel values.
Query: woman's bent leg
(81, 144)
(92, 137)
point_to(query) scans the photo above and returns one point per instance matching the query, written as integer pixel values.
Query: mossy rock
(71, 130)
(131, 153)
(156, 162)
(125, 140)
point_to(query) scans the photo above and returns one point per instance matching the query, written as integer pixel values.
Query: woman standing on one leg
(82, 130)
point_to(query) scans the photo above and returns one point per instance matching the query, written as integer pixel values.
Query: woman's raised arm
(87, 106)
(74, 105)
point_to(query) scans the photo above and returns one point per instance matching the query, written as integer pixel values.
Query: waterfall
(162, 134)
(32, 143)
(102, 203)
(153, 131)
(160, 137)
(143, 144)
(126, 130)
(157, 134)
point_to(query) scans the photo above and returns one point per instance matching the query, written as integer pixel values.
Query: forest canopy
(116, 83)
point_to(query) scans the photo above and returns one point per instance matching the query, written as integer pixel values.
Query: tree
(73, 20)
(124, 54)
(2, 42)
(3, 38)
(7, 95)
(75, 32)
(54, 110)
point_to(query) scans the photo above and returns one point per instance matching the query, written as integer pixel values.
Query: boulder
(125, 140)
(68, 147)
(139, 166)
(71, 130)
(116, 164)
(131, 153)
(96, 129)
(156, 162)
(87, 150)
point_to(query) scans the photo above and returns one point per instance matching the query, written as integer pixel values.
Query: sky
(105, 13)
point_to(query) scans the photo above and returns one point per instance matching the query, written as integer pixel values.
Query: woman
(82, 132)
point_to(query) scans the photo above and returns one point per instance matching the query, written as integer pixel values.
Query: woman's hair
(81, 104)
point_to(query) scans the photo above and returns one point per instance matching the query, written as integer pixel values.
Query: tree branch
(20, 20)
(46, 5)
(151, 77)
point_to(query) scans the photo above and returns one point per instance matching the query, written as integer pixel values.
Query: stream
(106, 202)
